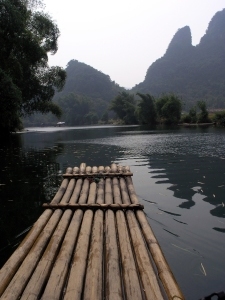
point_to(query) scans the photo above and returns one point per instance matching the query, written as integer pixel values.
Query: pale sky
(123, 38)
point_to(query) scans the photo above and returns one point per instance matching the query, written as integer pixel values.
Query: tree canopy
(146, 110)
(169, 108)
(124, 106)
(27, 83)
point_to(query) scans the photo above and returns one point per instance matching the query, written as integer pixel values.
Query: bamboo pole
(61, 191)
(165, 274)
(76, 192)
(68, 192)
(43, 269)
(76, 170)
(75, 283)
(108, 191)
(149, 281)
(101, 192)
(94, 170)
(20, 279)
(69, 170)
(113, 168)
(131, 190)
(94, 206)
(107, 169)
(82, 168)
(13, 263)
(124, 192)
(113, 285)
(101, 169)
(126, 169)
(84, 192)
(57, 279)
(88, 170)
(146, 271)
(78, 267)
(92, 193)
(93, 280)
(129, 273)
(130, 276)
(116, 190)
(120, 169)
(96, 173)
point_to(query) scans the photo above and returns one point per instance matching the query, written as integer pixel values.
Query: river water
(179, 176)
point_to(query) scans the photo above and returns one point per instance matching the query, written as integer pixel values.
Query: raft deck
(92, 241)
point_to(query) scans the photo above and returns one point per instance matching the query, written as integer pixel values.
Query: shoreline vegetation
(196, 124)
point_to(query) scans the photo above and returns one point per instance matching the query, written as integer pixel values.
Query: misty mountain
(86, 81)
(192, 72)
(84, 99)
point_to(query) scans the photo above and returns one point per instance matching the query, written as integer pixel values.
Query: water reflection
(178, 175)
(28, 178)
(188, 175)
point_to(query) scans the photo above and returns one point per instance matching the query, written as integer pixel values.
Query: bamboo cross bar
(96, 175)
(94, 206)
(93, 241)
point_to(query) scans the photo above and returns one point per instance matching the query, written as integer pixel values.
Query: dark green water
(179, 176)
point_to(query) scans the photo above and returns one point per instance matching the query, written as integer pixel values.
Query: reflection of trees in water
(189, 175)
(51, 181)
(90, 153)
(28, 178)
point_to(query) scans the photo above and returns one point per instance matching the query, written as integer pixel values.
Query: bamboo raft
(92, 241)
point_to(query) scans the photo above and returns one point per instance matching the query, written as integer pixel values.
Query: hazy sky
(123, 38)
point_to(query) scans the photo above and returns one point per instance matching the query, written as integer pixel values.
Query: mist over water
(179, 176)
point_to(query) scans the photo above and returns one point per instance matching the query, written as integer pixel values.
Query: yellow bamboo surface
(92, 241)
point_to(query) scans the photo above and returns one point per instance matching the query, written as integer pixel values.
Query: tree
(219, 118)
(74, 108)
(27, 83)
(160, 102)
(191, 117)
(146, 110)
(169, 109)
(203, 116)
(124, 106)
(105, 117)
(91, 118)
(193, 114)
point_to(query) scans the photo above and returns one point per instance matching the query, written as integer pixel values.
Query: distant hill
(84, 80)
(193, 72)
(84, 99)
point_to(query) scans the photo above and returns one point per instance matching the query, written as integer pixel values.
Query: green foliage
(10, 97)
(203, 116)
(146, 109)
(219, 118)
(166, 109)
(26, 38)
(124, 106)
(193, 114)
(74, 108)
(169, 108)
(197, 117)
(105, 117)
(91, 118)
(191, 117)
